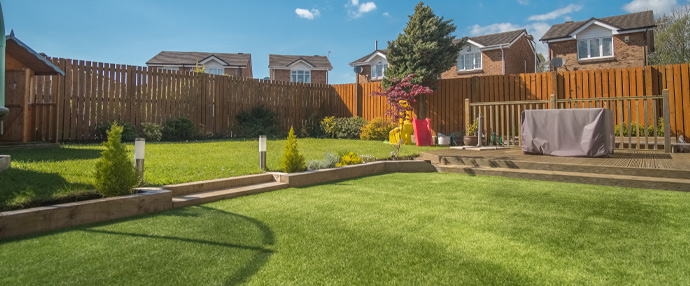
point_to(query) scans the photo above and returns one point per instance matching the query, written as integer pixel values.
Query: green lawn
(408, 229)
(46, 174)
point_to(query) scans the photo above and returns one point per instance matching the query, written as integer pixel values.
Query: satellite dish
(557, 62)
(358, 69)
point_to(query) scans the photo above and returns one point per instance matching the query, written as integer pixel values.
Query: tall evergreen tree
(425, 48)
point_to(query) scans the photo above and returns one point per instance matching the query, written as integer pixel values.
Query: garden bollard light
(139, 148)
(262, 152)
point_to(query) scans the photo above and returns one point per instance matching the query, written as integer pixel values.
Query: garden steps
(630, 181)
(217, 184)
(225, 193)
(471, 161)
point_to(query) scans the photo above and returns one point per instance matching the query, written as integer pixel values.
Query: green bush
(349, 159)
(329, 161)
(115, 173)
(258, 121)
(377, 129)
(312, 128)
(152, 131)
(129, 133)
(633, 129)
(293, 161)
(343, 128)
(327, 126)
(178, 129)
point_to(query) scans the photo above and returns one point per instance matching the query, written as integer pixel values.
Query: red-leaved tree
(401, 95)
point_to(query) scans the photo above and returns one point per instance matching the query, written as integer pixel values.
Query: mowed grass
(43, 175)
(400, 229)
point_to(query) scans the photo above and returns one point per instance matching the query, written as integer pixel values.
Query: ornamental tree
(401, 95)
(425, 49)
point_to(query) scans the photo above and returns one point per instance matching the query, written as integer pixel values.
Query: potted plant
(470, 138)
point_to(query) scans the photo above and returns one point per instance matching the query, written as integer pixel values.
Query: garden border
(41, 219)
(353, 171)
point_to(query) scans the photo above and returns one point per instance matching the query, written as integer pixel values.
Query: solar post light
(139, 149)
(262, 152)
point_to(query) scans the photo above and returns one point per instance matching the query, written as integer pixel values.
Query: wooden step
(225, 183)
(467, 161)
(227, 193)
(645, 182)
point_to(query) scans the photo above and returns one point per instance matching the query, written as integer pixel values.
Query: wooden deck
(621, 158)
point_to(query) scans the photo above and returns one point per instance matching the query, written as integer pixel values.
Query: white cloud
(658, 6)
(523, 2)
(386, 14)
(356, 10)
(556, 13)
(367, 7)
(477, 30)
(307, 14)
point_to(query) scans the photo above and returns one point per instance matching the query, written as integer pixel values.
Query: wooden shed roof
(30, 58)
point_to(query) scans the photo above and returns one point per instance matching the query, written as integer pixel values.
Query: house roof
(191, 58)
(495, 39)
(30, 58)
(644, 19)
(365, 58)
(284, 61)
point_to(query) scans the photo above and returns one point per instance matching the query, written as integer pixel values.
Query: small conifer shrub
(115, 173)
(293, 161)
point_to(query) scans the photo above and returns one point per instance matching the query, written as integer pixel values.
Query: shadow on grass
(54, 154)
(25, 189)
(242, 274)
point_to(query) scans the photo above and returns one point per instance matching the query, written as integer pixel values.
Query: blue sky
(133, 31)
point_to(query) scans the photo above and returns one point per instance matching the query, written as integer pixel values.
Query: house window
(300, 76)
(468, 62)
(214, 71)
(595, 48)
(378, 69)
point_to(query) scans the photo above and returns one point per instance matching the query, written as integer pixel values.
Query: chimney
(376, 45)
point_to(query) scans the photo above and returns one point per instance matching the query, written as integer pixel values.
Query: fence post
(554, 83)
(553, 101)
(467, 114)
(359, 99)
(667, 122)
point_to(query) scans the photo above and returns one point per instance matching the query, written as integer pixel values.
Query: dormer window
(378, 69)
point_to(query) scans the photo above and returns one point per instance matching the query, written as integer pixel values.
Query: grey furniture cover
(587, 132)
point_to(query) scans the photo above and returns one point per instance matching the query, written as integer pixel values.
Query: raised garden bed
(41, 219)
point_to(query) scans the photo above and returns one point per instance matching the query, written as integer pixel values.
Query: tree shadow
(260, 246)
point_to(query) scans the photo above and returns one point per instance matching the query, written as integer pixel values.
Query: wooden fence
(446, 106)
(68, 108)
(92, 93)
(501, 120)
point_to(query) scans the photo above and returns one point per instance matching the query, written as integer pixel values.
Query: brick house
(372, 66)
(307, 69)
(611, 42)
(214, 63)
(495, 54)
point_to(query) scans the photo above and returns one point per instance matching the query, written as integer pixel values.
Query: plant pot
(470, 140)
